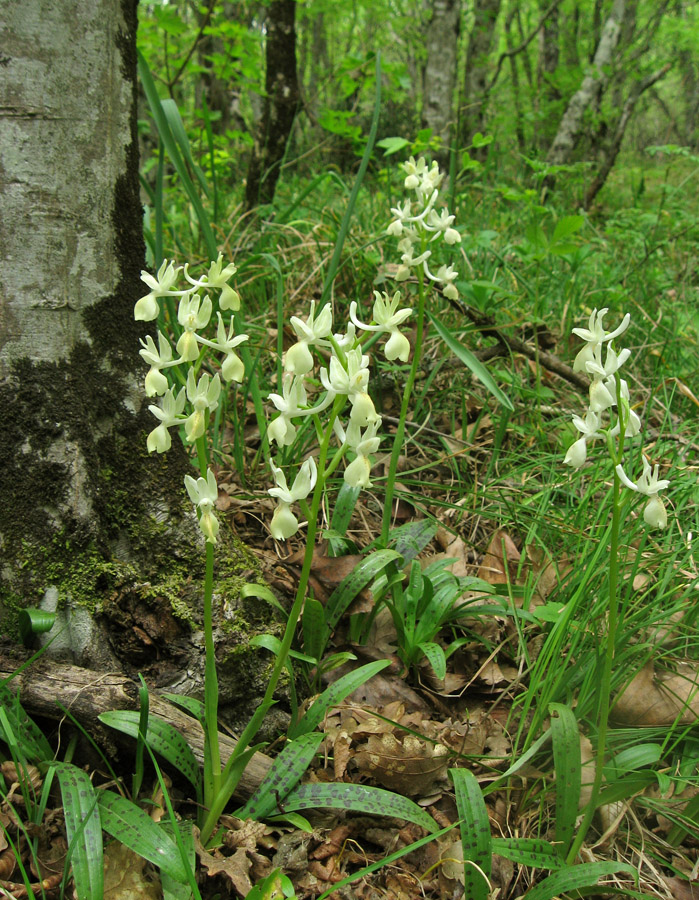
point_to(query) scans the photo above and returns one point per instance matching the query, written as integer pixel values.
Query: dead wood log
(86, 693)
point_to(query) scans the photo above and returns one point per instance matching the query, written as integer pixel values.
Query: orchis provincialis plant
(193, 404)
(419, 225)
(609, 415)
(609, 392)
(345, 378)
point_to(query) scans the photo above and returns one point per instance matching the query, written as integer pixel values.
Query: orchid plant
(609, 416)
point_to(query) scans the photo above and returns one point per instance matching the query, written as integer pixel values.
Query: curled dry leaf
(656, 699)
(403, 763)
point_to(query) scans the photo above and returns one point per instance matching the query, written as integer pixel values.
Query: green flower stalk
(609, 416)
(418, 225)
(191, 407)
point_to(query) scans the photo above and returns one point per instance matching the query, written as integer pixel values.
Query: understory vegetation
(489, 686)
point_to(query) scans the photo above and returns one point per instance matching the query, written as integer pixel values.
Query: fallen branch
(86, 693)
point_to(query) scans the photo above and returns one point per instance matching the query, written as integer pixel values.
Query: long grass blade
(471, 362)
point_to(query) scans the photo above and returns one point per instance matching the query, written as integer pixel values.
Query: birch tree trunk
(90, 524)
(441, 44)
(592, 86)
(280, 105)
(479, 45)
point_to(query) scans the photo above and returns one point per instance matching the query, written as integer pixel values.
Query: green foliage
(424, 607)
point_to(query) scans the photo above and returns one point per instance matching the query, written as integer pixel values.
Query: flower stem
(605, 685)
(407, 395)
(227, 782)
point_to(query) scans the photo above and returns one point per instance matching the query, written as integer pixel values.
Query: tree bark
(49, 688)
(593, 84)
(91, 526)
(620, 129)
(475, 82)
(441, 44)
(280, 106)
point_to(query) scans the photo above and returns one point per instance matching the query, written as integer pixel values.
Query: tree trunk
(479, 45)
(280, 106)
(547, 95)
(514, 74)
(613, 150)
(90, 524)
(441, 44)
(592, 86)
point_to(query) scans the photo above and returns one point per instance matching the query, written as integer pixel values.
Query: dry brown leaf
(547, 571)
(341, 754)
(681, 889)
(326, 571)
(403, 763)
(124, 876)
(501, 551)
(655, 699)
(235, 868)
(457, 550)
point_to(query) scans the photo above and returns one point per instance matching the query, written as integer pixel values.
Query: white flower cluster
(190, 405)
(601, 362)
(417, 223)
(347, 374)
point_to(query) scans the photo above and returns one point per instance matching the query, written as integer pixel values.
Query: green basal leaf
(573, 878)
(476, 841)
(34, 621)
(83, 831)
(285, 773)
(529, 852)
(335, 694)
(358, 798)
(358, 579)
(162, 738)
(190, 705)
(568, 769)
(435, 657)
(31, 742)
(135, 829)
(313, 627)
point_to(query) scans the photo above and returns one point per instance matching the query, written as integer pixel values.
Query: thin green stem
(605, 684)
(212, 782)
(405, 403)
(223, 796)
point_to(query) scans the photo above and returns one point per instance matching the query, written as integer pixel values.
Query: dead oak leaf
(236, 868)
(657, 699)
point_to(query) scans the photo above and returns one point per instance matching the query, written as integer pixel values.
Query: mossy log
(48, 688)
